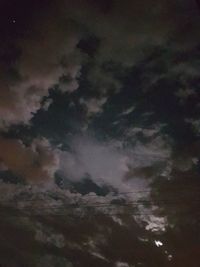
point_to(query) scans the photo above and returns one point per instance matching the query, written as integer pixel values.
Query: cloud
(110, 163)
(47, 104)
(48, 236)
(93, 105)
(127, 111)
(49, 54)
(130, 26)
(154, 223)
(131, 30)
(195, 124)
(102, 161)
(36, 163)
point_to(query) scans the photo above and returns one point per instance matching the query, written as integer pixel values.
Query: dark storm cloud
(47, 41)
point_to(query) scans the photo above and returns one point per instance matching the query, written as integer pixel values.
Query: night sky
(99, 133)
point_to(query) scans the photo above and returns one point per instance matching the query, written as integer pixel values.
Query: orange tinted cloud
(35, 164)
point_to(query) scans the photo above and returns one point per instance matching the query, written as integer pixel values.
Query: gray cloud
(93, 105)
(110, 163)
(47, 56)
(126, 33)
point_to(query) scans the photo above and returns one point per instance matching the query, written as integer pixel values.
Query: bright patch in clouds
(108, 162)
(158, 243)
